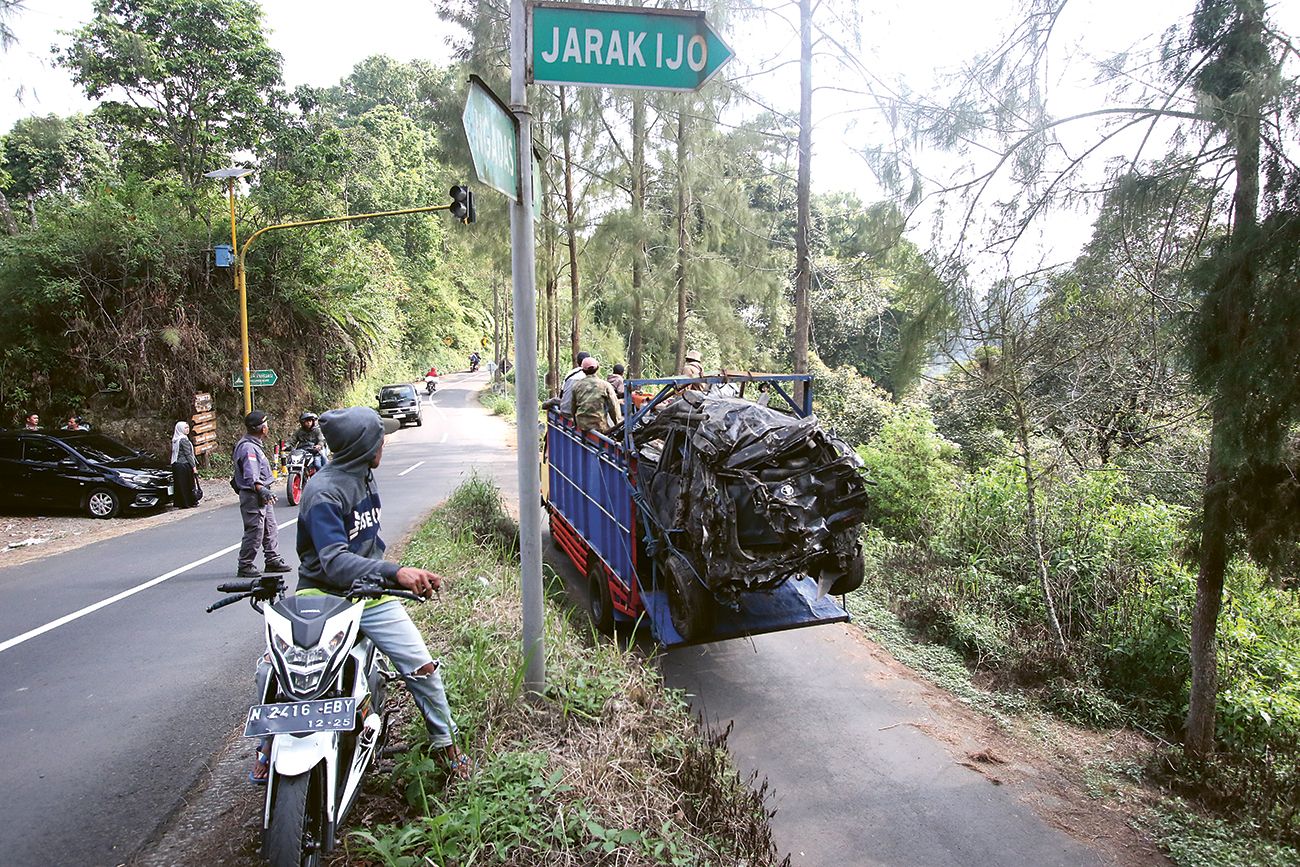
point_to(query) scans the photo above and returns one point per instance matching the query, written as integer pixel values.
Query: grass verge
(610, 769)
(499, 402)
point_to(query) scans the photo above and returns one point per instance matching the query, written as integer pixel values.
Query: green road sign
(493, 139)
(619, 46)
(259, 379)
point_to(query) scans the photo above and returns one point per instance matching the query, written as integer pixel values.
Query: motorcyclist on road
(474, 359)
(308, 436)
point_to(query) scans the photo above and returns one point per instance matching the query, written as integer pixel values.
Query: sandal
(459, 767)
(261, 771)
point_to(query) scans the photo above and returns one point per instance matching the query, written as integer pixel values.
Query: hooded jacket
(338, 520)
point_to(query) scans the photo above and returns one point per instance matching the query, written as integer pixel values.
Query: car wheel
(599, 604)
(690, 605)
(103, 503)
(852, 579)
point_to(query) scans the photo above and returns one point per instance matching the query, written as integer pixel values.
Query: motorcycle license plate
(301, 717)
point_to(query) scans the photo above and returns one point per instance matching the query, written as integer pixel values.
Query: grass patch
(1194, 840)
(500, 403)
(610, 769)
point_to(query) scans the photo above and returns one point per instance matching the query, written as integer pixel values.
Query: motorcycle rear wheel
(295, 836)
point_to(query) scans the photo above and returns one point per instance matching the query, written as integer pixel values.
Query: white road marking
(442, 418)
(91, 609)
(411, 467)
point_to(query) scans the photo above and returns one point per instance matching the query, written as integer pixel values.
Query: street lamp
(231, 176)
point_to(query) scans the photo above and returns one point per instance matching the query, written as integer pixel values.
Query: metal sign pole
(525, 305)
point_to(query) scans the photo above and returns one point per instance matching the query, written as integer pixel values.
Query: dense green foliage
(115, 308)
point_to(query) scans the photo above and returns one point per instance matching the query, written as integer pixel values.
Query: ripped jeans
(397, 637)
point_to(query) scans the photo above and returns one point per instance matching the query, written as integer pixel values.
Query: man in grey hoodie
(338, 543)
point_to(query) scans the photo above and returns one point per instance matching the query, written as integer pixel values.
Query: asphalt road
(107, 719)
(868, 765)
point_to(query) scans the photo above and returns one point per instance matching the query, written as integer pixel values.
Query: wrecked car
(761, 496)
(712, 514)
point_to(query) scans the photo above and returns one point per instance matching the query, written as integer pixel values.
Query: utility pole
(523, 264)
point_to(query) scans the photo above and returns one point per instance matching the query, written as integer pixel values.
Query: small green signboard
(493, 139)
(257, 379)
(621, 46)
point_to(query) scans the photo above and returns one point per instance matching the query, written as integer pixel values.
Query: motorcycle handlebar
(237, 586)
(229, 600)
(373, 590)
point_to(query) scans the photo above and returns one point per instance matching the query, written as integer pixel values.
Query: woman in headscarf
(183, 465)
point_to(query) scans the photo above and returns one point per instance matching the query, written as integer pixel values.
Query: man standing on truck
(595, 405)
(571, 379)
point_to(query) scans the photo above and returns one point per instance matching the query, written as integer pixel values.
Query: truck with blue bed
(719, 508)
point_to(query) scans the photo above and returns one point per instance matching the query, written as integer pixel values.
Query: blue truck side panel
(589, 487)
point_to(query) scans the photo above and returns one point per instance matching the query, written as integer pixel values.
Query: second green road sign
(622, 46)
(493, 139)
(260, 379)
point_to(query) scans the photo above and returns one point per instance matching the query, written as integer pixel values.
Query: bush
(911, 471)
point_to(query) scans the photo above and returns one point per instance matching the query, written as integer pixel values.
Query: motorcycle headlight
(306, 667)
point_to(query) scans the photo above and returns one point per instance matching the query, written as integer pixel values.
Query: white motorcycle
(322, 709)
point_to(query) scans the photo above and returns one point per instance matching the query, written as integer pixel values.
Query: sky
(910, 42)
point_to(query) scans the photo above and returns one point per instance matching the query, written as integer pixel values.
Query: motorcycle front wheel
(293, 488)
(296, 834)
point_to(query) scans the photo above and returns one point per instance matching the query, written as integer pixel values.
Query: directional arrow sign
(258, 379)
(621, 46)
(493, 139)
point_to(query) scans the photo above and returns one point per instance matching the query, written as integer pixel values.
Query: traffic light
(462, 203)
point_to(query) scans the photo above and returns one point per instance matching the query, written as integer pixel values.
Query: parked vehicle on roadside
(81, 470)
(322, 707)
(401, 403)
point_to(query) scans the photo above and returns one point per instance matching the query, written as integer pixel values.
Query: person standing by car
(184, 463)
(33, 422)
(74, 423)
(252, 480)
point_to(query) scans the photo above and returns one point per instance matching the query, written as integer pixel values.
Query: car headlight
(137, 480)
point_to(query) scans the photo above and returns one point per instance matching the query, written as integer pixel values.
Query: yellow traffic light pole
(241, 281)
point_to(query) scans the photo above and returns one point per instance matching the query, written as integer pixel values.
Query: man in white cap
(595, 405)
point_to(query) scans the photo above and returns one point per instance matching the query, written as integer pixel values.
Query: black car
(80, 470)
(401, 403)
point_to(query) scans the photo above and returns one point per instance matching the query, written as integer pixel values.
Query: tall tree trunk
(803, 263)
(31, 210)
(683, 236)
(1032, 522)
(570, 219)
(11, 225)
(1215, 516)
(638, 247)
